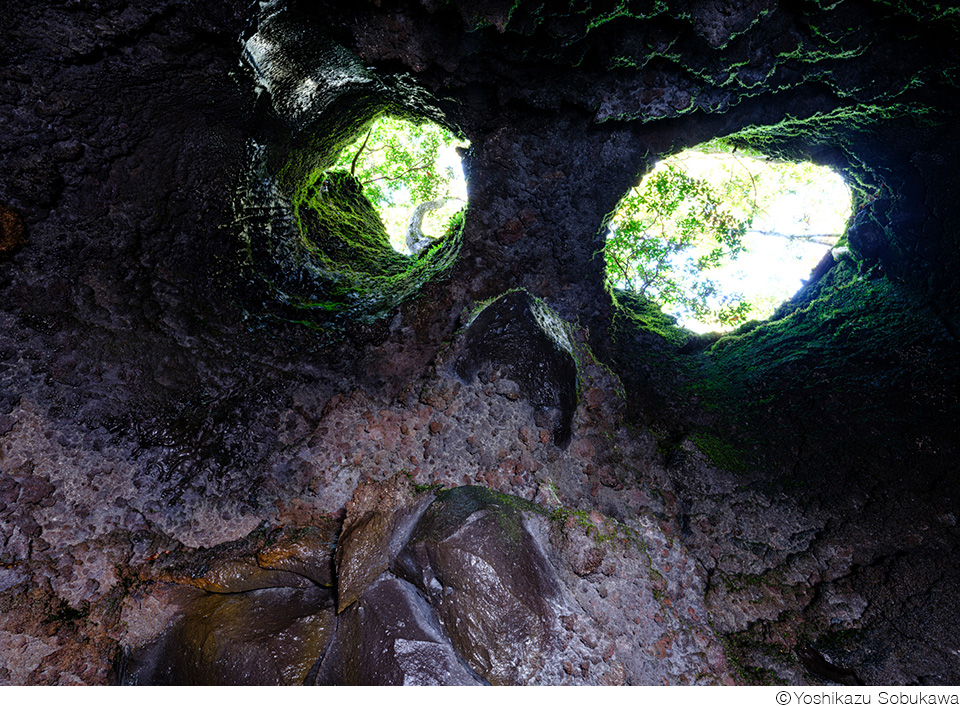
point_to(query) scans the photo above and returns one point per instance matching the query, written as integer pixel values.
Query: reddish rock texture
(777, 505)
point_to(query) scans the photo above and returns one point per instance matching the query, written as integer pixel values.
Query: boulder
(268, 637)
(390, 636)
(489, 580)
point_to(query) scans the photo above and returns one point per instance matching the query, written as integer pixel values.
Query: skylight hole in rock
(412, 173)
(718, 236)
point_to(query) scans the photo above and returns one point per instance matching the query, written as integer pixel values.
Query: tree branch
(398, 176)
(621, 267)
(822, 238)
(353, 164)
(753, 180)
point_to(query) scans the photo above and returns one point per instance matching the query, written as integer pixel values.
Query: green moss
(322, 256)
(562, 515)
(342, 229)
(640, 313)
(927, 11)
(421, 488)
(620, 533)
(743, 654)
(844, 315)
(452, 508)
(64, 613)
(842, 129)
(721, 453)
(839, 641)
(623, 9)
(312, 248)
(783, 400)
(659, 585)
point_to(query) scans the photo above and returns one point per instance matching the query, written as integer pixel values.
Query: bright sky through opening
(806, 210)
(403, 166)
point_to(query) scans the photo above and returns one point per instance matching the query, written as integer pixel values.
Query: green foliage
(704, 233)
(401, 164)
(394, 152)
(666, 235)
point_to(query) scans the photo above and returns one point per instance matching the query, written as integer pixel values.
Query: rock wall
(778, 504)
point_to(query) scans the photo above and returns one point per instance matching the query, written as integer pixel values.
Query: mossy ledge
(312, 248)
(828, 359)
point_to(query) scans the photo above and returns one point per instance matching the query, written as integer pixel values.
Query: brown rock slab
(270, 637)
(489, 581)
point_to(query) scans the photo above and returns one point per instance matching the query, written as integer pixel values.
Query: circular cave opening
(412, 174)
(718, 235)
(351, 202)
(342, 243)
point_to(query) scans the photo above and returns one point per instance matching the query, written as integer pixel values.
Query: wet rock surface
(390, 637)
(462, 586)
(489, 581)
(267, 637)
(801, 530)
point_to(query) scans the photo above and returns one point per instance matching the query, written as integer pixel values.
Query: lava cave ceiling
(243, 441)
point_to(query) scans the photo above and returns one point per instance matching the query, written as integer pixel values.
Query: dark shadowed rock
(521, 337)
(307, 551)
(11, 230)
(391, 636)
(256, 611)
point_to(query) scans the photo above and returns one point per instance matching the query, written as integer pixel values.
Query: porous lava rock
(470, 586)
(524, 341)
(775, 505)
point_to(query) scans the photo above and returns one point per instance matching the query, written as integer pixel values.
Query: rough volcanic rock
(527, 343)
(520, 594)
(778, 504)
(11, 231)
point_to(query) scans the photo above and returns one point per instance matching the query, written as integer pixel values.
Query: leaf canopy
(402, 164)
(690, 236)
